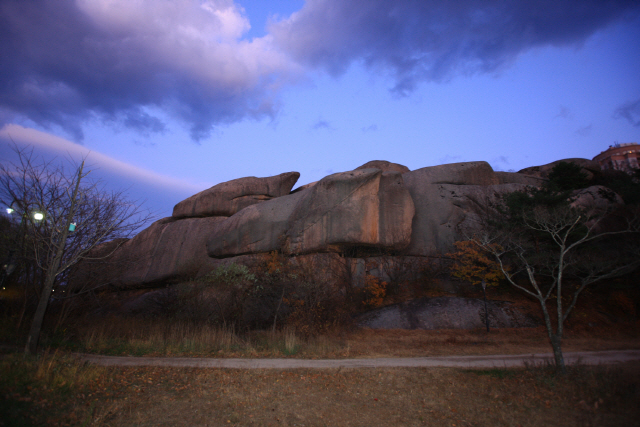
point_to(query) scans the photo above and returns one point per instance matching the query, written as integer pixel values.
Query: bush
(567, 176)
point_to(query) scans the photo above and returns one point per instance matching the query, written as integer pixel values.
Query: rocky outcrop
(589, 168)
(257, 228)
(380, 209)
(165, 251)
(447, 198)
(596, 200)
(366, 207)
(467, 173)
(231, 197)
(445, 313)
(519, 178)
(384, 166)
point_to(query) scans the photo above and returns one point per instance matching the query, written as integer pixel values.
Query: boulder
(304, 187)
(365, 207)
(257, 228)
(466, 173)
(519, 178)
(445, 313)
(384, 166)
(447, 199)
(596, 200)
(230, 197)
(589, 168)
(165, 251)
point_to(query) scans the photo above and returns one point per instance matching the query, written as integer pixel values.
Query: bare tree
(63, 215)
(553, 252)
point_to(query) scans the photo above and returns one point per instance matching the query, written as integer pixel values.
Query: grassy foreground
(54, 389)
(165, 337)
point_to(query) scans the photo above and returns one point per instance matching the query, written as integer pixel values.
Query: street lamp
(37, 215)
(10, 209)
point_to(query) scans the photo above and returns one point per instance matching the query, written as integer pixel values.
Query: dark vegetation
(58, 215)
(551, 246)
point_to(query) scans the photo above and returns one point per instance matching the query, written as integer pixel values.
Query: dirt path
(496, 361)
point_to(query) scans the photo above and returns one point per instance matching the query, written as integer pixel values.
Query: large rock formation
(378, 209)
(165, 251)
(596, 200)
(176, 247)
(231, 197)
(366, 207)
(446, 199)
(589, 168)
(384, 166)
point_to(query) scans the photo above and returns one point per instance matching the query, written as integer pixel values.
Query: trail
(470, 362)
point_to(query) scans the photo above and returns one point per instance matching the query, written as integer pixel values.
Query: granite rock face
(446, 199)
(384, 166)
(596, 200)
(230, 197)
(257, 228)
(366, 207)
(519, 178)
(589, 168)
(445, 313)
(165, 251)
(380, 209)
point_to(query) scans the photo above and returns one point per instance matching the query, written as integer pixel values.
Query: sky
(168, 97)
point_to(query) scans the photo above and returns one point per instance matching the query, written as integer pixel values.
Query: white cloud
(78, 59)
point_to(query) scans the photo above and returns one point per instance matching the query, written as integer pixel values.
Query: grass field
(55, 389)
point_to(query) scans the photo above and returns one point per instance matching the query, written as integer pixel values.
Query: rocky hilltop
(378, 209)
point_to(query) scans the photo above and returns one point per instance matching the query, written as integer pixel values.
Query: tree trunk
(31, 346)
(555, 340)
(36, 325)
(486, 309)
(556, 344)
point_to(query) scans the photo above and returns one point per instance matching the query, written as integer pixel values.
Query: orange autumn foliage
(474, 265)
(375, 291)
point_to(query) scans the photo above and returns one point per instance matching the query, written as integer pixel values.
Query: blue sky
(170, 97)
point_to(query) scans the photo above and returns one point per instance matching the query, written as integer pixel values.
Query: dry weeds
(588, 396)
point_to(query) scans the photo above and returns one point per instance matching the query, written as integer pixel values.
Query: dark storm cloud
(417, 40)
(65, 61)
(629, 111)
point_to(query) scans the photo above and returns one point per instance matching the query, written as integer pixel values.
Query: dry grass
(135, 336)
(415, 343)
(54, 390)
